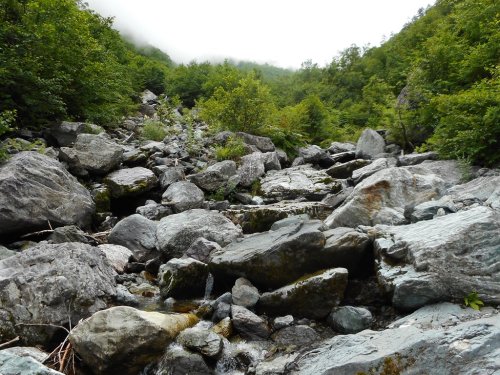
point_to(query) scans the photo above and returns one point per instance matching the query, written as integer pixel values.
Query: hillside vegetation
(435, 85)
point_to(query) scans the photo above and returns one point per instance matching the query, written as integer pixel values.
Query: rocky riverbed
(125, 256)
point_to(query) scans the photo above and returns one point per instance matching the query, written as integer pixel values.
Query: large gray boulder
(272, 259)
(312, 297)
(52, 285)
(263, 144)
(300, 181)
(35, 189)
(382, 197)
(313, 154)
(345, 170)
(176, 233)
(370, 144)
(339, 147)
(216, 176)
(66, 132)
(442, 259)
(93, 154)
(14, 364)
(183, 278)
(138, 234)
(251, 169)
(171, 175)
(130, 182)
(476, 191)
(183, 195)
(416, 344)
(122, 340)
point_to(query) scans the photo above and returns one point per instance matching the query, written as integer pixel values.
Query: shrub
(234, 149)
(153, 130)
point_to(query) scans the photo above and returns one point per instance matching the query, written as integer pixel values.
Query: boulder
(343, 157)
(51, 284)
(118, 256)
(272, 259)
(415, 158)
(171, 175)
(154, 211)
(215, 177)
(176, 233)
(249, 325)
(138, 234)
(312, 297)
(475, 191)
(244, 293)
(448, 170)
(183, 278)
(428, 210)
(93, 154)
(183, 195)
(282, 322)
(299, 336)
(28, 351)
(36, 189)
(382, 197)
(263, 144)
(416, 344)
(300, 181)
(130, 182)
(339, 147)
(201, 340)
(442, 259)
(350, 319)
(6, 253)
(13, 364)
(66, 132)
(201, 248)
(252, 167)
(345, 170)
(179, 361)
(313, 155)
(377, 165)
(122, 340)
(261, 218)
(370, 144)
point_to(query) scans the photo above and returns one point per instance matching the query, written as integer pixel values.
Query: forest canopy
(435, 85)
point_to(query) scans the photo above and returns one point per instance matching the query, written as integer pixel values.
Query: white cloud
(283, 32)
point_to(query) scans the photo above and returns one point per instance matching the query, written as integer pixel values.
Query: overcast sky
(281, 32)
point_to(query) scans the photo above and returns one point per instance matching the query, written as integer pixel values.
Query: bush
(154, 130)
(7, 119)
(234, 149)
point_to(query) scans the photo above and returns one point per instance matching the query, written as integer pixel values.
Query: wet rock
(94, 154)
(299, 335)
(221, 312)
(118, 256)
(183, 278)
(224, 327)
(313, 297)
(377, 165)
(130, 182)
(183, 195)
(441, 259)
(249, 325)
(370, 144)
(69, 281)
(154, 211)
(282, 322)
(70, 233)
(252, 167)
(381, 198)
(35, 189)
(215, 177)
(244, 293)
(176, 233)
(203, 341)
(263, 144)
(416, 345)
(138, 234)
(350, 319)
(13, 364)
(345, 170)
(123, 339)
(171, 175)
(201, 249)
(300, 181)
(271, 259)
(254, 219)
(412, 159)
(178, 361)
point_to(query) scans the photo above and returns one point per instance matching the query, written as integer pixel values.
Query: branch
(16, 339)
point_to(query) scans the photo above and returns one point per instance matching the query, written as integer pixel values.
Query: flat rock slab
(34, 189)
(130, 182)
(442, 259)
(300, 181)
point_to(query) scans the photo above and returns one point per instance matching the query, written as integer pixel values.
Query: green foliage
(154, 130)
(233, 149)
(472, 300)
(7, 120)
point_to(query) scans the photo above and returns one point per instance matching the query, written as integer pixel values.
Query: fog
(279, 32)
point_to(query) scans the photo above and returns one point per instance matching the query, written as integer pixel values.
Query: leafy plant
(472, 300)
(7, 119)
(153, 130)
(234, 149)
